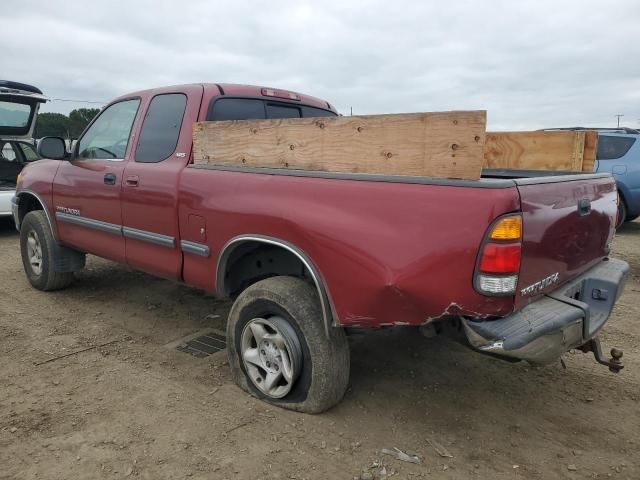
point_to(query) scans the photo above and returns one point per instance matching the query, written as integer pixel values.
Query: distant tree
(80, 118)
(59, 125)
(52, 125)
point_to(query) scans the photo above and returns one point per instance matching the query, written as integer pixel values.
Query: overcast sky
(530, 64)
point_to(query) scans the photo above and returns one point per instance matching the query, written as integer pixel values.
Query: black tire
(622, 213)
(45, 277)
(324, 373)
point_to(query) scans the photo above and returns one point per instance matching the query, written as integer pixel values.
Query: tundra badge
(69, 211)
(540, 285)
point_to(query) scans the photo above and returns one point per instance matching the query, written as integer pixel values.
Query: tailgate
(568, 226)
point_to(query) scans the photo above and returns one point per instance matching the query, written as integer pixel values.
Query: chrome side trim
(134, 233)
(44, 207)
(195, 248)
(90, 223)
(150, 237)
(328, 312)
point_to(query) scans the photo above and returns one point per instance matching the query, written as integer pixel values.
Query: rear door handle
(109, 179)
(132, 181)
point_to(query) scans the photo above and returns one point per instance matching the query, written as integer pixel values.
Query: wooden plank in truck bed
(541, 150)
(446, 144)
(590, 150)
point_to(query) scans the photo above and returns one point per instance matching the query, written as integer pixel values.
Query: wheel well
(249, 262)
(27, 204)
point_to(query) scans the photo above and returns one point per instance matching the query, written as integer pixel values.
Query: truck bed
(396, 249)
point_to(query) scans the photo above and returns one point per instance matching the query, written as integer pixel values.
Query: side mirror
(52, 147)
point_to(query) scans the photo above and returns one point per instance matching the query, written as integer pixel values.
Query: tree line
(60, 125)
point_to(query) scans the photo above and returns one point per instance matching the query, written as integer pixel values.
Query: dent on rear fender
(456, 310)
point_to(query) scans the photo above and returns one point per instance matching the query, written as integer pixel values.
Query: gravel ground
(136, 408)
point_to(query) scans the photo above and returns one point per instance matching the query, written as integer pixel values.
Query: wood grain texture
(590, 150)
(447, 144)
(538, 150)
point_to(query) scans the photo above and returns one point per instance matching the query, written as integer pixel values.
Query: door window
(161, 128)
(107, 138)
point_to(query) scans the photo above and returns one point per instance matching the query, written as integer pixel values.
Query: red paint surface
(387, 252)
(556, 238)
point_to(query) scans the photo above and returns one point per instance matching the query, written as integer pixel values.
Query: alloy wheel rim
(34, 252)
(271, 355)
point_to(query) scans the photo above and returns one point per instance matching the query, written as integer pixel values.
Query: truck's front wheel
(279, 350)
(38, 249)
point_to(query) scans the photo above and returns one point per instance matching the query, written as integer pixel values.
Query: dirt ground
(138, 409)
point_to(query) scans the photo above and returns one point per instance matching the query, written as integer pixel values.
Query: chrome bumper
(564, 319)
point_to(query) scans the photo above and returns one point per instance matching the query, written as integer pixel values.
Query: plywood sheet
(442, 144)
(541, 150)
(590, 150)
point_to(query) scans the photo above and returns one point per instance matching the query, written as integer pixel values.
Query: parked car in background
(619, 154)
(19, 104)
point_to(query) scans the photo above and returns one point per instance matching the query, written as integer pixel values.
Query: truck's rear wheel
(279, 350)
(38, 249)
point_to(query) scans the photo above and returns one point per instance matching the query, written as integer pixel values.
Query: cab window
(255, 109)
(161, 127)
(108, 136)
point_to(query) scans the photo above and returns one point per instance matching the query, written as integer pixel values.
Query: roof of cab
(237, 90)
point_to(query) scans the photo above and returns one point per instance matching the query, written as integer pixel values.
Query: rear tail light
(499, 257)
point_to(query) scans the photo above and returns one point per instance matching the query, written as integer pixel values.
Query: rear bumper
(558, 322)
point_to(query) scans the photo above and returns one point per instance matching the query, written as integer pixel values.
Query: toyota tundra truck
(517, 264)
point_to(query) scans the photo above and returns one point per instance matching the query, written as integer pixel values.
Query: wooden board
(539, 150)
(447, 144)
(590, 150)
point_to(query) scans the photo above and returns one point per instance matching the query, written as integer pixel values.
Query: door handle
(132, 180)
(109, 179)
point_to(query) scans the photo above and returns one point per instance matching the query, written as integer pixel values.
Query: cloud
(531, 64)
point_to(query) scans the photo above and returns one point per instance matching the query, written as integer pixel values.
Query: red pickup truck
(516, 264)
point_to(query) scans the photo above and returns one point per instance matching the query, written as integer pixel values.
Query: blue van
(619, 154)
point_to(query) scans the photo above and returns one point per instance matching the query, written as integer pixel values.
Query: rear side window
(161, 127)
(255, 109)
(611, 148)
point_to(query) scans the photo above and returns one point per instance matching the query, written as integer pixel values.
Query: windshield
(14, 114)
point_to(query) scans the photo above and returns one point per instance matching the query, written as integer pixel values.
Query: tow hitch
(614, 363)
